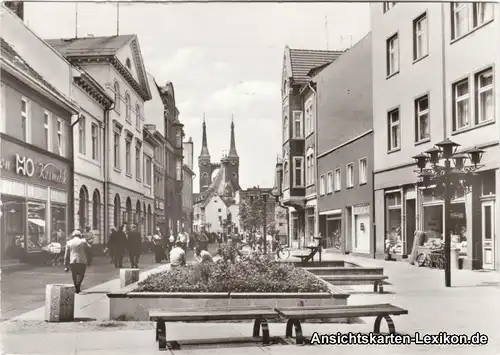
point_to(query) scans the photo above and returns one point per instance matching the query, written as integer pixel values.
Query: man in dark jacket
(117, 244)
(134, 246)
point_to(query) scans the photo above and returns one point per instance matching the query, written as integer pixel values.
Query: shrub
(234, 273)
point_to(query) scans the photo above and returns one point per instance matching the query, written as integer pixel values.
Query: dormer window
(128, 63)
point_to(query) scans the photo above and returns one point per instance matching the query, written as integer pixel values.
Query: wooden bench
(377, 280)
(294, 315)
(307, 257)
(260, 315)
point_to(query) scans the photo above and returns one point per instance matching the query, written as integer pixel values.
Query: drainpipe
(374, 226)
(71, 187)
(105, 166)
(443, 68)
(316, 169)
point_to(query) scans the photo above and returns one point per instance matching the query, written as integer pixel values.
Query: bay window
(298, 167)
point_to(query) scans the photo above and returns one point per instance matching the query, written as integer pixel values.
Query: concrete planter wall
(134, 306)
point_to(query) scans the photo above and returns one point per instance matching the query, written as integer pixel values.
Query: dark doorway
(410, 225)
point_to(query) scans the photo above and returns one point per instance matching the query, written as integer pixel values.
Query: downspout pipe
(105, 166)
(316, 170)
(71, 187)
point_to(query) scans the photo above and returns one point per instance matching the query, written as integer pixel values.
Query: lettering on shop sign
(46, 171)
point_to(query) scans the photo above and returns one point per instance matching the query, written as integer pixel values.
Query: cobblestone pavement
(471, 305)
(24, 290)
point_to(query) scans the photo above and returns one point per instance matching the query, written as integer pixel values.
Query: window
(147, 170)
(422, 132)
(96, 209)
(420, 37)
(37, 232)
(25, 120)
(392, 55)
(298, 124)
(46, 130)
(322, 185)
(117, 95)
(484, 97)
(128, 64)
(329, 183)
(468, 16)
(394, 133)
(286, 175)
(95, 141)
(138, 161)
(350, 175)
(128, 161)
(388, 5)
(338, 180)
(310, 167)
(285, 129)
(116, 152)
(127, 106)
(81, 135)
(461, 98)
(309, 108)
(298, 167)
(137, 116)
(60, 137)
(363, 165)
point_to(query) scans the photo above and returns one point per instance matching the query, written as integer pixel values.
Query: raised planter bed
(133, 306)
(314, 264)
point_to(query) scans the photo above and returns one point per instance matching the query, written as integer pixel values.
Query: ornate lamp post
(449, 180)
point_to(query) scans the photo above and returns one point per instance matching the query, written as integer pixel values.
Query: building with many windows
(36, 144)
(187, 187)
(116, 63)
(299, 140)
(345, 150)
(434, 78)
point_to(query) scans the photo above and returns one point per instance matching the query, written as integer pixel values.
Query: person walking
(183, 239)
(76, 258)
(111, 246)
(120, 246)
(134, 244)
(158, 246)
(177, 256)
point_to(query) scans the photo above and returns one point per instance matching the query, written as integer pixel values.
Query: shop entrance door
(488, 234)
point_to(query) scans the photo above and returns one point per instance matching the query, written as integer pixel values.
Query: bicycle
(433, 259)
(282, 253)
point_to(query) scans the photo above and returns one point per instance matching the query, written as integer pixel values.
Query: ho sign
(25, 166)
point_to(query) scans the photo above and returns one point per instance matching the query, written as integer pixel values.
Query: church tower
(233, 166)
(204, 161)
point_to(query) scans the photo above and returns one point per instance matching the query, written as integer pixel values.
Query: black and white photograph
(201, 177)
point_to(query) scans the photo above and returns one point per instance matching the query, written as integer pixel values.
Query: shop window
(394, 221)
(488, 183)
(433, 221)
(36, 238)
(12, 226)
(58, 223)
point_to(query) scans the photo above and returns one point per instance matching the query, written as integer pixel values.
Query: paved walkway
(471, 305)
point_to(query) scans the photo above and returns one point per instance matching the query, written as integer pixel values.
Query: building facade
(215, 208)
(187, 187)
(36, 146)
(147, 217)
(345, 150)
(299, 141)
(434, 79)
(174, 135)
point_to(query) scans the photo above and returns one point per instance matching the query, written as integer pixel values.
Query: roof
(303, 60)
(94, 46)
(225, 190)
(317, 70)
(12, 56)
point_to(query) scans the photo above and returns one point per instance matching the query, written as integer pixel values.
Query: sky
(224, 60)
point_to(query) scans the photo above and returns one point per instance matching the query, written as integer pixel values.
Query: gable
(126, 55)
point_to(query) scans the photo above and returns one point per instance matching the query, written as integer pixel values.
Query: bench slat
(208, 315)
(340, 311)
(353, 277)
(213, 341)
(342, 307)
(209, 309)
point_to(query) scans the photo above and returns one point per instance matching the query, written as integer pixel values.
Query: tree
(251, 214)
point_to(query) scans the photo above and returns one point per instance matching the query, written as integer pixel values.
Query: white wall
(40, 56)
(153, 109)
(212, 213)
(148, 190)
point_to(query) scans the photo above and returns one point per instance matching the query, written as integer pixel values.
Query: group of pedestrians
(123, 240)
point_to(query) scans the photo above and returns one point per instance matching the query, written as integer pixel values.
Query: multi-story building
(434, 78)
(36, 144)
(151, 143)
(216, 207)
(299, 141)
(116, 63)
(345, 149)
(174, 135)
(187, 187)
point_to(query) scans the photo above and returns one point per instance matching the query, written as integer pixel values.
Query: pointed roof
(77, 49)
(303, 60)
(232, 149)
(204, 146)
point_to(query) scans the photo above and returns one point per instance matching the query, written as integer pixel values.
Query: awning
(330, 212)
(39, 222)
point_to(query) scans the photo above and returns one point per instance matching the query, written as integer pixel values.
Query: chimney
(17, 7)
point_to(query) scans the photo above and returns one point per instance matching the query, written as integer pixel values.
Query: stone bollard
(128, 276)
(59, 303)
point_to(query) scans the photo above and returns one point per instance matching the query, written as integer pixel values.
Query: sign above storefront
(364, 209)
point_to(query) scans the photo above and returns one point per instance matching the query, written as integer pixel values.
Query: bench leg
(257, 325)
(390, 324)
(378, 286)
(161, 334)
(294, 323)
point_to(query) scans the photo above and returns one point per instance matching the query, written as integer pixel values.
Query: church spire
(232, 149)
(204, 145)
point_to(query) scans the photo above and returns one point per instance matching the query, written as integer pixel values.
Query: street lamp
(448, 181)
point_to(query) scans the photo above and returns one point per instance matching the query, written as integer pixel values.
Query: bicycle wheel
(283, 254)
(440, 262)
(421, 259)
